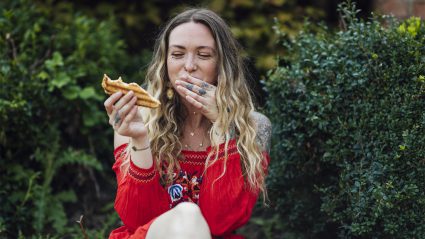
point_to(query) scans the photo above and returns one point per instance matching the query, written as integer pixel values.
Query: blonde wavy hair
(233, 100)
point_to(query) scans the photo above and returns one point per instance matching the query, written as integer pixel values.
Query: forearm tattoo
(117, 118)
(264, 131)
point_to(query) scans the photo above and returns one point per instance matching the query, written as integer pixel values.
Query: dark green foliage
(55, 144)
(53, 126)
(348, 110)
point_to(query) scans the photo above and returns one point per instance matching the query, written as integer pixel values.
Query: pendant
(192, 134)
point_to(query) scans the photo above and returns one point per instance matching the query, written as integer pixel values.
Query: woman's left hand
(200, 94)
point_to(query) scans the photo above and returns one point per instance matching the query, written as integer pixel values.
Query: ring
(189, 87)
(205, 86)
(202, 92)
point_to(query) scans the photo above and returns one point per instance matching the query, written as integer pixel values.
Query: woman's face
(192, 51)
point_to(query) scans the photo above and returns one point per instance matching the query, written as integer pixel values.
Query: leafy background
(346, 162)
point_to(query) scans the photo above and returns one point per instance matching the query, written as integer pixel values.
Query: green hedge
(348, 110)
(53, 125)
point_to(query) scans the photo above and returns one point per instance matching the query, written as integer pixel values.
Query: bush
(349, 124)
(53, 125)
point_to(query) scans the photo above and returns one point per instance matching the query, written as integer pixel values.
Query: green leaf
(71, 92)
(56, 215)
(90, 119)
(43, 75)
(59, 81)
(66, 196)
(87, 92)
(55, 61)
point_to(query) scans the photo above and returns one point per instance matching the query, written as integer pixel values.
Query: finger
(194, 102)
(129, 117)
(127, 107)
(124, 100)
(191, 87)
(200, 83)
(115, 119)
(117, 107)
(184, 92)
(111, 101)
(122, 113)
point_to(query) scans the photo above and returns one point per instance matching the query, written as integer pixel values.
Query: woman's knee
(183, 221)
(189, 222)
(188, 210)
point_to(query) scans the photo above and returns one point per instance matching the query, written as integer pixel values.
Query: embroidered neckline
(190, 156)
(199, 157)
(232, 143)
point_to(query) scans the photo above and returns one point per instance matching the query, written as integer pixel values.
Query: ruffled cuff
(141, 175)
(119, 152)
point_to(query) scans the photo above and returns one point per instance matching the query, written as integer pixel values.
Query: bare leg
(182, 222)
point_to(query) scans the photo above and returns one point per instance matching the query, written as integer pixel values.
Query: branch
(47, 55)
(12, 43)
(82, 227)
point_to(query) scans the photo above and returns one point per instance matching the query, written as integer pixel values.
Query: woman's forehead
(191, 34)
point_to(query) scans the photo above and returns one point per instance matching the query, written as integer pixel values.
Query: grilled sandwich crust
(143, 97)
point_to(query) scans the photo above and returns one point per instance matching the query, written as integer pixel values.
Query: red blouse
(225, 206)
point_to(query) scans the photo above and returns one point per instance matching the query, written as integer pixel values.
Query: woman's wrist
(140, 142)
(141, 154)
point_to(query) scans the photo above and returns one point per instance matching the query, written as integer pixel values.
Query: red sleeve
(226, 203)
(140, 196)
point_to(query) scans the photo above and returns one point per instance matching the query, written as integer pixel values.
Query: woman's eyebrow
(206, 47)
(178, 46)
(199, 47)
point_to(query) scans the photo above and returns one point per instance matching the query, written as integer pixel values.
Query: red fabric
(224, 201)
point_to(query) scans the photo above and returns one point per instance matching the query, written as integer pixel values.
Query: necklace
(192, 133)
(190, 147)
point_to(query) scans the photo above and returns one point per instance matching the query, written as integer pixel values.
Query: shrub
(51, 114)
(349, 123)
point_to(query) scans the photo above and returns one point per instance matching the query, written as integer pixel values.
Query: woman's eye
(176, 55)
(204, 55)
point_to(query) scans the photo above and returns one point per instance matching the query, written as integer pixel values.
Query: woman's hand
(124, 115)
(200, 94)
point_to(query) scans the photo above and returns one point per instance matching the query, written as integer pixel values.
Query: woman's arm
(225, 201)
(264, 130)
(120, 140)
(127, 120)
(140, 196)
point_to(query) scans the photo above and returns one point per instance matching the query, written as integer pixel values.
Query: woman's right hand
(124, 115)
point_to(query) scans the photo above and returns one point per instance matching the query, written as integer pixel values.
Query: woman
(194, 167)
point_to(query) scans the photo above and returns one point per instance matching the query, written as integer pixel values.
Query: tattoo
(189, 87)
(264, 130)
(202, 92)
(117, 118)
(232, 131)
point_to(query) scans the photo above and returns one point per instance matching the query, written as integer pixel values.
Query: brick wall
(401, 8)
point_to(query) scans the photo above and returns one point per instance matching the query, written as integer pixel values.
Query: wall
(401, 8)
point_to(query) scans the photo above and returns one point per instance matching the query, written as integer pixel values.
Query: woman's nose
(190, 64)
